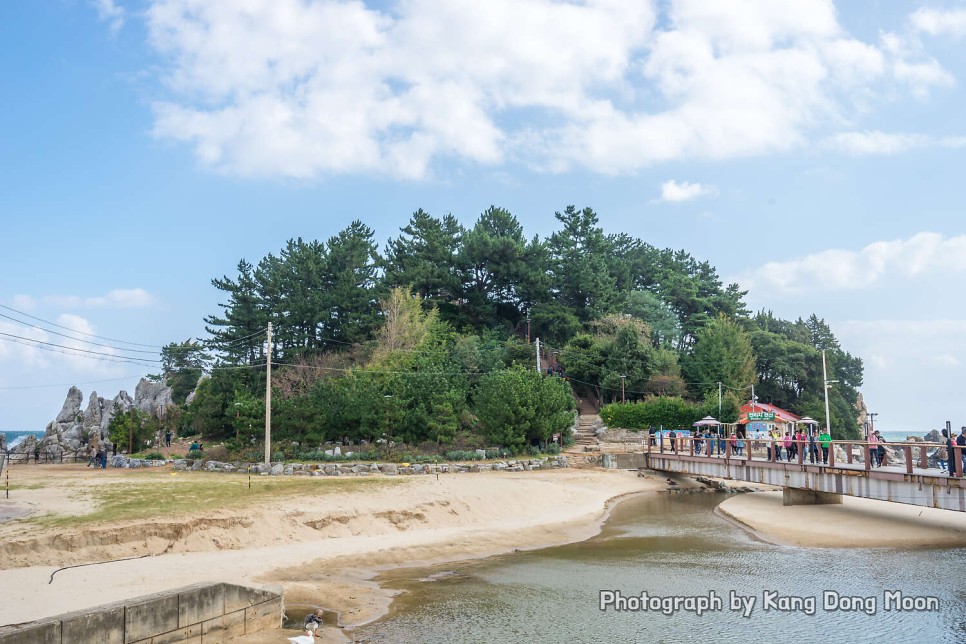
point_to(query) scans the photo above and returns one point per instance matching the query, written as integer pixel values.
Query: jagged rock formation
(151, 397)
(74, 430)
(862, 416)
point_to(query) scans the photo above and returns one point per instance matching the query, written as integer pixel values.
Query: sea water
(14, 437)
(675, 551)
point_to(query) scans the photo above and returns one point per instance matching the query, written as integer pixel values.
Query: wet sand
(856, 523)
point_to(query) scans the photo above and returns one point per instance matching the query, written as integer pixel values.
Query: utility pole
(528, 327)
(753, 399)
(268, 399)
(871, 424)
(622, 389)
(539, 369)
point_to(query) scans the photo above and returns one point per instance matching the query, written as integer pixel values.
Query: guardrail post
(831, 454)
(908, 451)
(923, 457)
(868, 457)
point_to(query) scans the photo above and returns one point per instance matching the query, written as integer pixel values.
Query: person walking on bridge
(812, 447)
(951, 453)
(825, 439)
(961, 442)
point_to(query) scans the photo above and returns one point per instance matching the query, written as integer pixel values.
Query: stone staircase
(585, 439)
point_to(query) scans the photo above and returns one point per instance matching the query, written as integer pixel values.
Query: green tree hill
(413, 343)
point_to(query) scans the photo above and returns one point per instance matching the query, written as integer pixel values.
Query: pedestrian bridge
(904, 477)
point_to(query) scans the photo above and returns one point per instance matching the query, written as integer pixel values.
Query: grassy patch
(197, 492)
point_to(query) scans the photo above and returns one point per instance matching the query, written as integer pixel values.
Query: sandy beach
(325, 539)
(856, 523)
(323, 543)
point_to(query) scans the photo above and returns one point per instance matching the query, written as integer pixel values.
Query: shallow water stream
(675, 546)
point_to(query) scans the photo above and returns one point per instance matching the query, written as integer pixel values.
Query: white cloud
(23, 302)
(946, 360)
(843, 270)
(134, 298)
(878, 142)
(915, 346)
(936, 22)
(303, 89)
(674, 192)
(108, 11)
(55, 353)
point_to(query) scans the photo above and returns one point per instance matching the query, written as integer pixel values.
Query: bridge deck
(905, 482)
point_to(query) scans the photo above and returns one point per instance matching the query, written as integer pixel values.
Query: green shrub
(154, 456)
(462, 455)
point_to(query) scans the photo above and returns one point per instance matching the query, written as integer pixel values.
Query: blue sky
(811, 151)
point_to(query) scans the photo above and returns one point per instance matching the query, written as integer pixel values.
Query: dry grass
(182, 493)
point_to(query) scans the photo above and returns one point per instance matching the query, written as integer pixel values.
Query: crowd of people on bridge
(946, 455)
(811, 445)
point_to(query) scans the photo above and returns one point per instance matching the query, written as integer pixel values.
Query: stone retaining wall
(204, 613)
(366, 469)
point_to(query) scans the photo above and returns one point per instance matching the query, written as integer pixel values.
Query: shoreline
(324, 550)
(333, 548)
(856, 523)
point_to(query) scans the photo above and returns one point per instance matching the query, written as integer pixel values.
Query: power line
(90, 335)
(73, 384)
(69, 337)
(40, 344)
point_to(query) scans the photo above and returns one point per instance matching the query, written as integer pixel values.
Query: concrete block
(240, 597)
(264, 616)
(104, 625)
(151, 616)
(234, 624)
(798, 496)
(191, 634)
(213, 631)
(36, 633)
(199, 604)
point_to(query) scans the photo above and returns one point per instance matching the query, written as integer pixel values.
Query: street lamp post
(871, 416)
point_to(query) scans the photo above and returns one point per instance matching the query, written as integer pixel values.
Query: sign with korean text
(761, 415)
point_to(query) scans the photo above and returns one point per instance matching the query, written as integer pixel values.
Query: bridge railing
(913, 454)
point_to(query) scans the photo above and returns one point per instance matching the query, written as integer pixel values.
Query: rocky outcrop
(71, 410)
(862, 412)
(151, 397)
(73, 430)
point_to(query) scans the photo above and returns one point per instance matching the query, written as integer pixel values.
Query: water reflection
(671, 546)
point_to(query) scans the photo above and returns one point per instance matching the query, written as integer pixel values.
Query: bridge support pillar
(798, 496)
